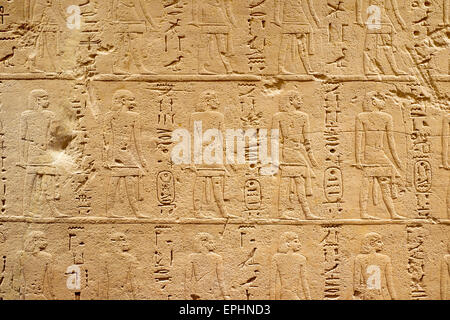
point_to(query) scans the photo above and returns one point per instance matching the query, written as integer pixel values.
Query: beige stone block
(219, 149)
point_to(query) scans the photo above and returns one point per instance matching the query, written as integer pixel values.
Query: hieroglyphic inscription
(174, 35)
(348, 98)
(337, 19)
(416, 236)
(332, 263)
(257, 24)
(249, 264)
(78, 273)
(421, 154)
(164, 258)
(333, 183)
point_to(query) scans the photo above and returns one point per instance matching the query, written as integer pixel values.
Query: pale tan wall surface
(309, 68)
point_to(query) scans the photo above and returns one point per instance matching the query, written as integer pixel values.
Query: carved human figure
(49, 18)
(289, 269)
(204, 272)
(122, 151)
(36, 136)
(215, 19)
(372, 127)
(33, 272)
(296, 34)
(132, 19)
(446, 154)
(445, 274)
(294, 129)
(379, 35)
(210, 178)
(372, 274)
(119, 270)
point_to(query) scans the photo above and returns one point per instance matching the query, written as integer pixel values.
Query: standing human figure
(49, 19)
(204, 272)
(295, 170)
(33, 272)
(296, 34)
(372, 127)
(289, 268)
(37, 127)
(119, 270)
(132, 19)
(215, 19)
(210, 177)
(123, 152)
(372, 273)
(379, 30)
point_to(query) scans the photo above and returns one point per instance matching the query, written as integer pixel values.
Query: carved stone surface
(222, 149)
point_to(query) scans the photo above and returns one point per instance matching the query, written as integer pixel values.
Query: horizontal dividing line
(176, 77)
(219, 221)
(346, 78)
(355, 78)
(36, 76)
(214, 77)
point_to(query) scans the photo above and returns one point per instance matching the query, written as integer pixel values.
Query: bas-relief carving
(379, 41)
(130, 19)
(373, 271)
(295, 166)
(32, 278)
(296, 34)
(215, 20)
(314, 70)
(289, 268)
(204, 274)
(36, 132)
(122, 151)
(373, 126)
(79, 270)
(119, 270)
